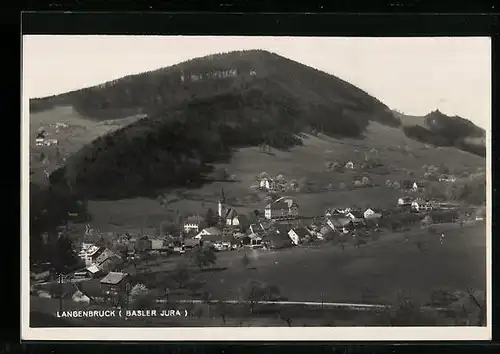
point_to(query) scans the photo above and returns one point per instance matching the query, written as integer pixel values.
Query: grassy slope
(303, 161)
(80, 131)
(385, 267)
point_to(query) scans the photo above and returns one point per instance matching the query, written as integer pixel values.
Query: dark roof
(357, 214)
(231, 213)
(301, 232)
(278, 206)
(191, 242)
(340, 221)
(216, 237)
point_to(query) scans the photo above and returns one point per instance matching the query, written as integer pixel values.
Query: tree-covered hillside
(442, 130)
(214, 75)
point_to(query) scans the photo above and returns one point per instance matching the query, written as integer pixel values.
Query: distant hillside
(222, 74)
(439, 129)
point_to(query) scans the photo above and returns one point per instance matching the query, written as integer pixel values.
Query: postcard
(256, 188)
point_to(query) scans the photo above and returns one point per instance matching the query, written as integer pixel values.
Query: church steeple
(222, 202)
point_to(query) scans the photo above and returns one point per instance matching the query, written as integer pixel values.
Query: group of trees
(51, 209)
(442, 130)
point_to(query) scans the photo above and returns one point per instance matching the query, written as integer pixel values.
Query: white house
(414, 186)
(420, 205)
(339, 224)
(157, 244)
(372, 213)
(282, 208)
(39, 141)
(298, 234)
(349, 165)
(193, 223)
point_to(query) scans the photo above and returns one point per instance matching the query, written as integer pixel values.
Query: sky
(412, 75)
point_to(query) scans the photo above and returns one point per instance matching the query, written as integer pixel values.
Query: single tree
(222, 310)
(253, 292)
(64, 255)
(204, 257)
(181, 276)
(210, 218)
(272, 292)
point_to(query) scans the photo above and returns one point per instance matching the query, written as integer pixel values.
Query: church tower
(222, 204)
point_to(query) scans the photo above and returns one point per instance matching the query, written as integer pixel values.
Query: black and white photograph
(256, 188)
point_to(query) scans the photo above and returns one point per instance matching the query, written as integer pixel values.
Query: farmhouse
(282, 208)
(193, 223)
(92, 253)
(278, 237)
(219, 240)
(298, 234)
(420, 205)
(356, 216)
(340, 224)
(209, 231)
(114, 284)
(158, 244)
(107, 260)
(372, 213)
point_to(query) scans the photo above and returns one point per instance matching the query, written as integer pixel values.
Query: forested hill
(222, 74)
(177, 145)
(439, 129)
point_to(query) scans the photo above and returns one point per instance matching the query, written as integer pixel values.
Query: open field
(384, 268)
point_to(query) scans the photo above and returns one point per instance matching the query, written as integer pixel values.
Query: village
(280, 225)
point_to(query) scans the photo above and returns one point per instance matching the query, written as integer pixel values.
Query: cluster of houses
(421, 205)
(42, 140)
